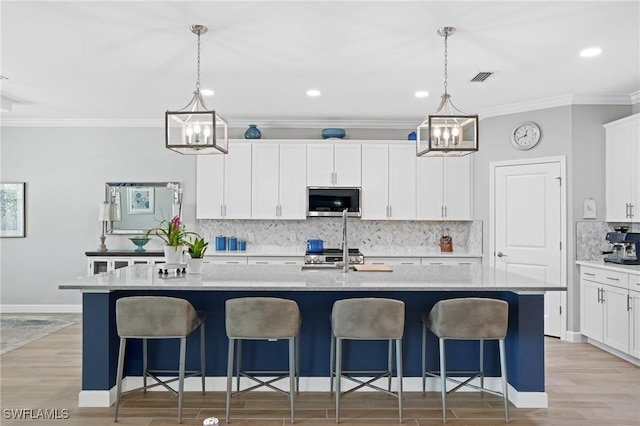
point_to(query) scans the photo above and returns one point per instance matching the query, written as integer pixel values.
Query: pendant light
(448, 132)
(195, 129)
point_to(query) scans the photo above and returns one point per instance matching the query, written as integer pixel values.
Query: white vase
(173, 254)
(195, 266)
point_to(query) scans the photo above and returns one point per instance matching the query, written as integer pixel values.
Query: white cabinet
(278, 188)
(224, 184)
(98, 262)
(444, 188)
(333, 164)
(609, 305)
(388, 182)
(623, 170)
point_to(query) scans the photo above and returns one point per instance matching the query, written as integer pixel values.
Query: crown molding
(635, 97)
(554, 102)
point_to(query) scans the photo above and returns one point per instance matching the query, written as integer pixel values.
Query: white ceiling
(130, 61)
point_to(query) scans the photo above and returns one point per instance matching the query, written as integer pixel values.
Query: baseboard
(104, 398)
(613, 351)
(574, 337)
(41, 309)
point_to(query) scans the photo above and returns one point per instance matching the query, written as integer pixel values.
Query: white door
(375, 182)
(237, 182)
(457, 188)
(429, 188)
(209, 186)
(264, 181)
(293, 189)
(320, 165)
(347, 165)
(402, 182)
(527, 229)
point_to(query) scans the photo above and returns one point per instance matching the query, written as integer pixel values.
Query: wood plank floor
(586, 386)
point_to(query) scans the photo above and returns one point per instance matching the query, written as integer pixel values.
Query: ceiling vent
(481, 77)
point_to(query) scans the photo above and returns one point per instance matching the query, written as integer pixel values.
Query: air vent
(481, 77)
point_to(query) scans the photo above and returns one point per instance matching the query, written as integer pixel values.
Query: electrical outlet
(251, 237)
(292, 236)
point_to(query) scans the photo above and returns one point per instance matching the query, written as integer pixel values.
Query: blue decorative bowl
(412, 136)
(333, 133)
(140, 243)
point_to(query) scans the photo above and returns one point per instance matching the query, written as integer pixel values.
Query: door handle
(500, 254)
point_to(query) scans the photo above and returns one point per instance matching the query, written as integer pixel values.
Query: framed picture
(12, 204)
(140, 200)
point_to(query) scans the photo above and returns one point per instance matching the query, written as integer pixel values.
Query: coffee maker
(626, 248)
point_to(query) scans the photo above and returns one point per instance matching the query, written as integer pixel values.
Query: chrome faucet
(345, 246)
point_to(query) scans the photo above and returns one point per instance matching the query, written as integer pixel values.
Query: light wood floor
(586, 386)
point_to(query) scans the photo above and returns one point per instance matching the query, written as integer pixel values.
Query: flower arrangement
(172, 232)
(197, 246)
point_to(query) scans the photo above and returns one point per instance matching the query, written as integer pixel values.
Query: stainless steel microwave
(331, 201)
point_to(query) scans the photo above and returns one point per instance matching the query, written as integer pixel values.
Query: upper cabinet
(224, 184)
(623, 170)
(389, 181)
(333, 164)
(278, 189)
(444, 188)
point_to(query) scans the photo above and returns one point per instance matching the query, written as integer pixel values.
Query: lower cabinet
(610, 308)
(97, 264)
(423, 260)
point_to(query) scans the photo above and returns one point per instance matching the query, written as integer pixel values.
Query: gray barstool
(471, 318)
(157, 317)
(262, 318)
(366, 319)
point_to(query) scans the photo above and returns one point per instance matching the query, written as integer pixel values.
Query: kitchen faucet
(345, 248)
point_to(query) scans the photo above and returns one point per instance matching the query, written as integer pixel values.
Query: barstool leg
(229, 376)
(297, 340)
(202, 355)
(238, 363)
(424, 358)
(338, 376)
(292, 375)
(390, 362)
(399, 375)
(144, 364)
(482, 364)
(123, 343)
(332, 364)
(183, 353)
(443, 381)
(503, 374)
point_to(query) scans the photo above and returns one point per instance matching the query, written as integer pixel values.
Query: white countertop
(629, 269)
(293, 278)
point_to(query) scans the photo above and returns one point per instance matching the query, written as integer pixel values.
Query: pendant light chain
(198, 80)
(446, 61)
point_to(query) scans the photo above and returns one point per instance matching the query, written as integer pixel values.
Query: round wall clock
(526, 135)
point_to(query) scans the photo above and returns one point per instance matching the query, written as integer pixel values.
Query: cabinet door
(402, 182)
(457, 188)
(616, 318)
(430, 175)
(209, 186)
(347, 165)
(634, 323)
(320, 165)
(635, 170)
(590, 310)
(620, 165)
(237, 182)
(375, 182)
(293, 189)
(264, 181)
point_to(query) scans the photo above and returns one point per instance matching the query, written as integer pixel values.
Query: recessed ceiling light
(207, 92)
(590, 52)
(421, 94)
(313, 92)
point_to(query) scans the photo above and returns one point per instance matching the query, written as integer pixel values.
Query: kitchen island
(420, 287)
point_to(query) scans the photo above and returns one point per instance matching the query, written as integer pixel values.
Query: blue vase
(333, 133)
(412, 136)
(252, 132)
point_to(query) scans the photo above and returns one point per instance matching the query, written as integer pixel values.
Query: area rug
(17, 330)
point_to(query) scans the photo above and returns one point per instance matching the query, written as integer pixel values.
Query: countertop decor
(333, 133)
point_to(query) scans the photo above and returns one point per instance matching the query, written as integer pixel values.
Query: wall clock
(526, 135)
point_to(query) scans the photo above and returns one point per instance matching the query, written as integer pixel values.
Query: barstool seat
(366, 319)
(470, 318)
(157, 317)
(262, 318)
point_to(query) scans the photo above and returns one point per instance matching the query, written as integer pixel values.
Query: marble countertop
(293, 278)
(628, 269)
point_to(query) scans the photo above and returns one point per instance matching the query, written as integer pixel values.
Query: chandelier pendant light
(196, 129)
(448, 132)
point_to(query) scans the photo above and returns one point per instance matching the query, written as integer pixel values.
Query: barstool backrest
(469, 318)
(261, 317)
(368, 318)
(155, 316)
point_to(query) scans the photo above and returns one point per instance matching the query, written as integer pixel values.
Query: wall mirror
(139, 206)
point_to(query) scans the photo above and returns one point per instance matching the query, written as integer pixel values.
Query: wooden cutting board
(372, 268)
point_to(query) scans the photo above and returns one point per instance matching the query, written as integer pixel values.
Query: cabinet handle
(631, 206)
(445, 211)
(441, 211)
(261, 262)
(406, 263)
(590, 274)
(464, 263)
(435, 263)
(291, 263)
(377, 263)
(390, 211)
(602, 297)
(221, 210)
(234, 262)
(613, 279)
(599, 290)
(628, 303)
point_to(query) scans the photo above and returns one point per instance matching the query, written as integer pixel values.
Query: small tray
(164, 268)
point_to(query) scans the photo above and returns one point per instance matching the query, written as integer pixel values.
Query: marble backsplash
(590, 238)
(401, 236)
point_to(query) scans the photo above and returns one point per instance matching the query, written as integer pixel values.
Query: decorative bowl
(333, 133)
(140, 242)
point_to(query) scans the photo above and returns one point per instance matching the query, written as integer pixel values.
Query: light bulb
(455, 131)
(196, 128)
(189, 131)
(207, 131)
(436, 132)
(445, 134)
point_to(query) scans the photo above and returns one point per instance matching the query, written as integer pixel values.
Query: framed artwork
(140, 200)
(12, 207)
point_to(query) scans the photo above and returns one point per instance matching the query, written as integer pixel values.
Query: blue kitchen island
(420, 287)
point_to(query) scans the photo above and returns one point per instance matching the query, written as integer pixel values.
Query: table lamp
(104, 216)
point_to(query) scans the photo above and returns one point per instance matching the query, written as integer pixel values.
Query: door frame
(562, 161)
